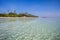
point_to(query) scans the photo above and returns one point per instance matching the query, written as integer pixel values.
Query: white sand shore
(18, 17)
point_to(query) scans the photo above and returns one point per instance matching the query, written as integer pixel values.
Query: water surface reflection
(29, 29)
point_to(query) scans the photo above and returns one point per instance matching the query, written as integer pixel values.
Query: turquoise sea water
(29, 28)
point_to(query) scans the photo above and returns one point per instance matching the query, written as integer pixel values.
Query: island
(14, 14)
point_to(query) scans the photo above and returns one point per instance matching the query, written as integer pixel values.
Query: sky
(43, 8)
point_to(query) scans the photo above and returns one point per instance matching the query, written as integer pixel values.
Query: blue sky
(49, 8)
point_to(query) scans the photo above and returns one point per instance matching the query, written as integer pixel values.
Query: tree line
(12, 14)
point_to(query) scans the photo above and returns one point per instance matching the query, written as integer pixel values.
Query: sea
(29, 28)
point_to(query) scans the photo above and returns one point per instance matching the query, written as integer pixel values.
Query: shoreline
(18, 17)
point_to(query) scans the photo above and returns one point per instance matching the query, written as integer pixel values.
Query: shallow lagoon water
(30, 29)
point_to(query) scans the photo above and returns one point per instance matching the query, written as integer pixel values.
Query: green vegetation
(13, 14)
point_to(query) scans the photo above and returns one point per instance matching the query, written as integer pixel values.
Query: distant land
(14, 14)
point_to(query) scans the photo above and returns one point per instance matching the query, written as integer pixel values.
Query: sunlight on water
(29, 29)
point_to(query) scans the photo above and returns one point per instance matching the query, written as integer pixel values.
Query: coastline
(18, 17)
